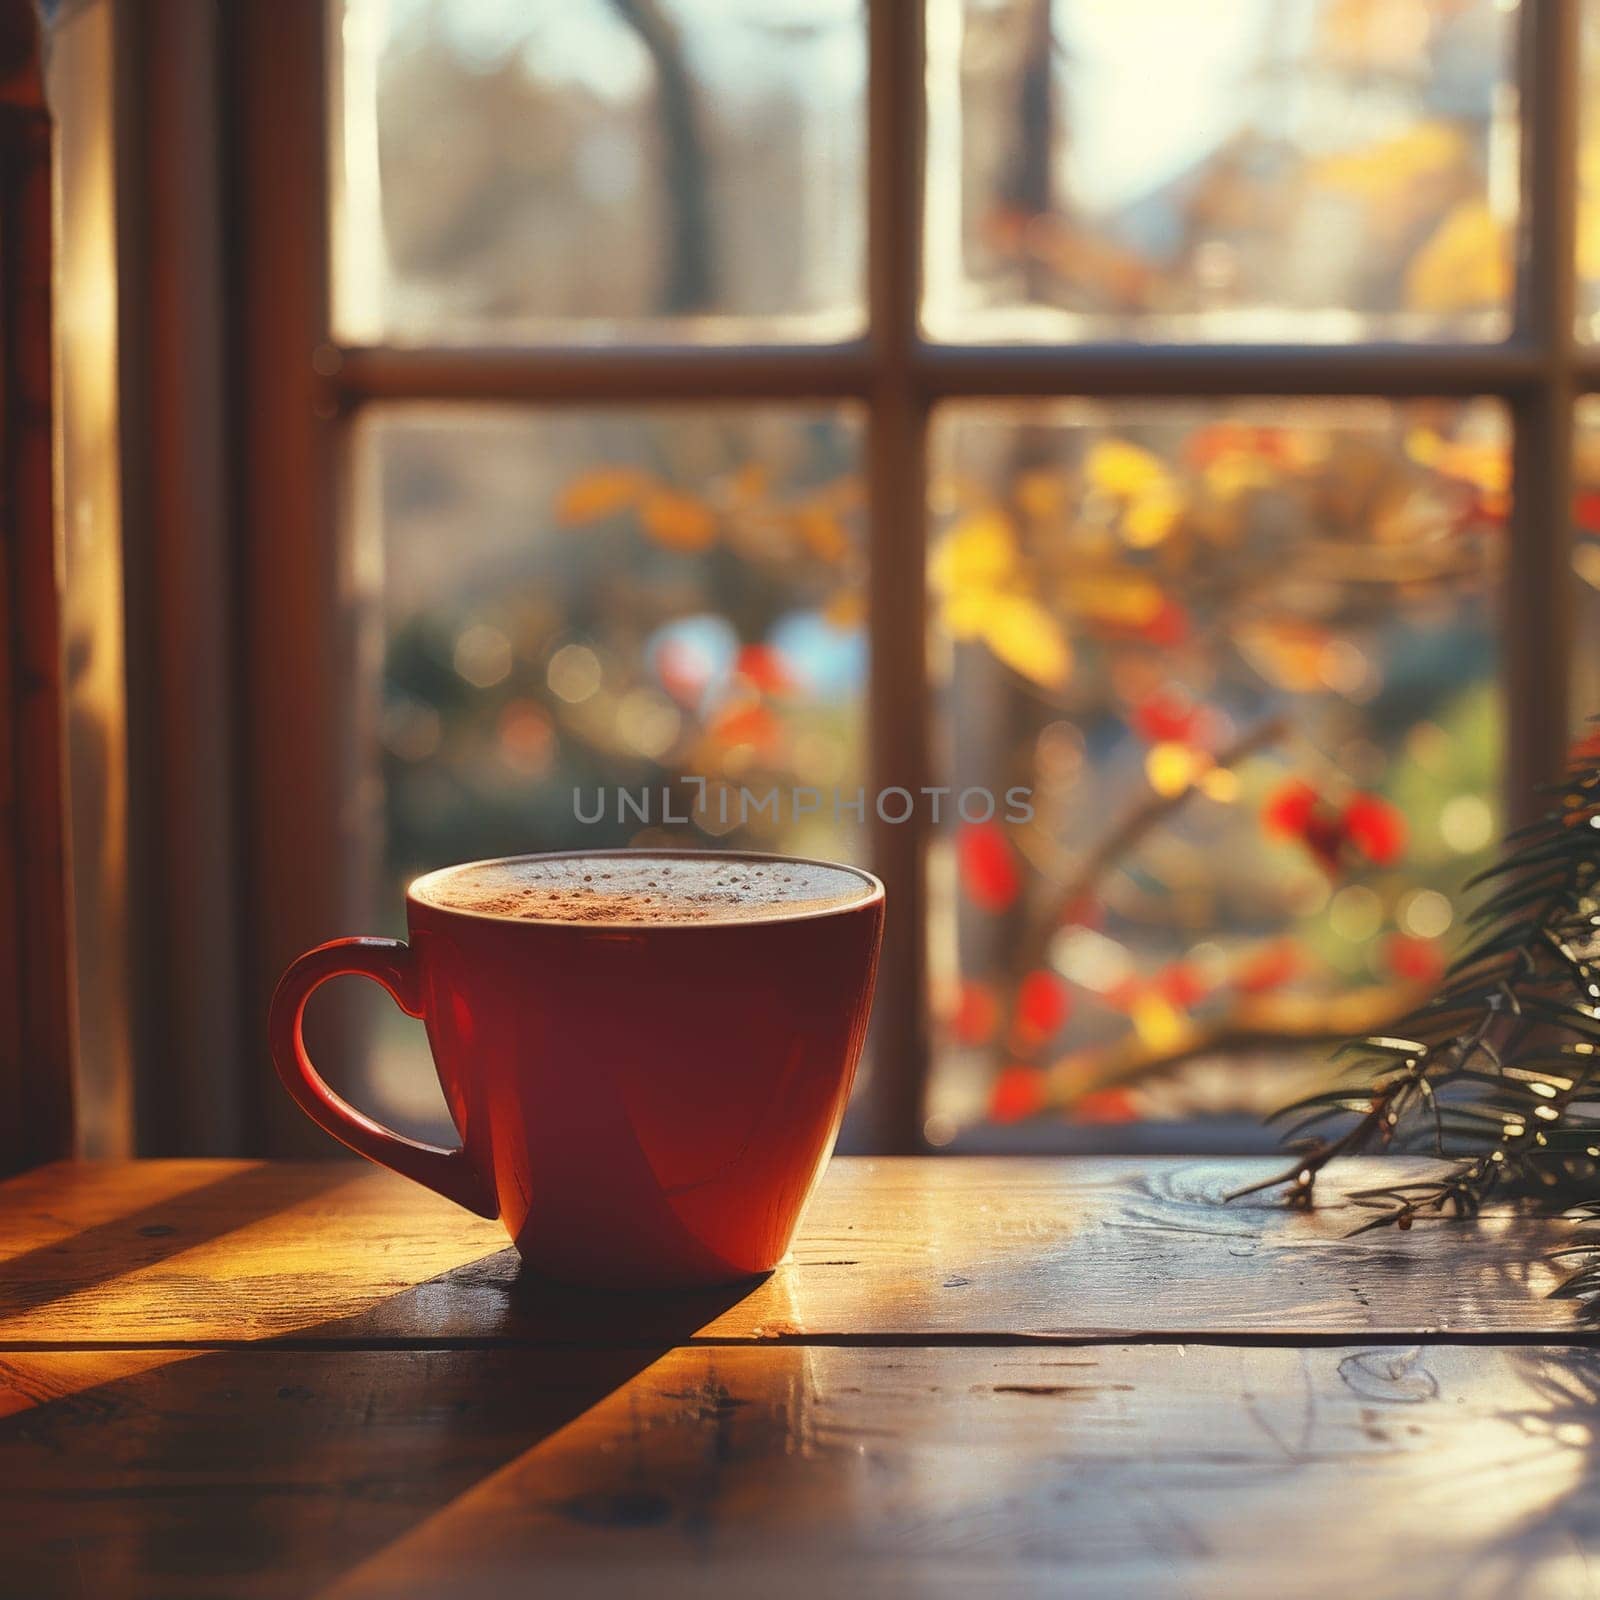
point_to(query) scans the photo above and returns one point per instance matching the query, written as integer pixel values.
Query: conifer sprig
(1501, 1069)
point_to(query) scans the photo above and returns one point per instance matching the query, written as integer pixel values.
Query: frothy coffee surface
(638, 888)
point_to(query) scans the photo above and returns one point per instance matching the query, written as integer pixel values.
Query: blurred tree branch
(1255, 1022)
(1149, 814)
(689, 281)
(1078, 882)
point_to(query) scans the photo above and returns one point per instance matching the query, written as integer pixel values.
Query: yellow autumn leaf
(1375, 171)
(979, 552)
(966, 613)
(1040, 493)
(1465, 264)
(676, 520)
(601, 492)
(1118, 599)
(1236, 472)
(1028, 639)
(1424, 445)
(1115, 467)
(1170, 768)
(1288, 655)
(1589, 234)
(1151, 517)
(1158, 1024)
(1588, 210)
(1486, 465)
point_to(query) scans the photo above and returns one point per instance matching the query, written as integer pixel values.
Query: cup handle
(390, 963)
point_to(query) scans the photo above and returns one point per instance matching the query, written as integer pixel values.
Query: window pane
(600, 169)
(578, 603)
(1589, 175)
(1585, 678)
(1245, 660)
(1267, 169)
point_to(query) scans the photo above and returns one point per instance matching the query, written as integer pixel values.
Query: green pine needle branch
(1501, 1069)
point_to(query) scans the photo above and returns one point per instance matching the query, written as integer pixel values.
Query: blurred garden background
(1244, 653)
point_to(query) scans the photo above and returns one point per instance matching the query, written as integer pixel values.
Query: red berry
(1169, 627)
(988, 867)
(1106, 1105)
(1042, 1006)
(1413, 960)
(1289, 808)
(1180, 986)
(1168, 715)
(749, 724)
(1376, 828)
(1018, 1093)
(762, 666)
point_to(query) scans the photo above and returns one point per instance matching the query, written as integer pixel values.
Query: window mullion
(303, 702)
(1228, 369)
(585, 375)
(1537, 627)
(890, 1113)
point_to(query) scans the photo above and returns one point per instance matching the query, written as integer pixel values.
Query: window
(1169, 416)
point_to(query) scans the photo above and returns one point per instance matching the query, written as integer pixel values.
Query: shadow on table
(143, 1238)
(278, 1467)
(1564, 1533)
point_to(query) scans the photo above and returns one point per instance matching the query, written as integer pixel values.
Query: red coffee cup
(642, 1105)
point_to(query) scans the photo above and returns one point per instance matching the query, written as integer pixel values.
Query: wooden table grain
(974, 1376)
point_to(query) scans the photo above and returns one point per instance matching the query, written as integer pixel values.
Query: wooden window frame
(302, 388)
(37, 1031)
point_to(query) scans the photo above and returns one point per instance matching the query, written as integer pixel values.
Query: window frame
(38, 1032)
(309, 852)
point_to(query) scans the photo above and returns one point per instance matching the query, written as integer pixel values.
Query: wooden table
(975, 1377)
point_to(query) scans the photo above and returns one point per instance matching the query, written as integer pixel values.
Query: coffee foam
(636, 888)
